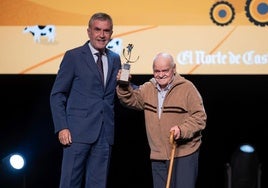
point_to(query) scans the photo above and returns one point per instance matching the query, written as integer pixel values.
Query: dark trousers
(184, 175)
(86, 165)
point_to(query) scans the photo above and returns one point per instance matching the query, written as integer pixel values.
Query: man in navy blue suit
(82, 106)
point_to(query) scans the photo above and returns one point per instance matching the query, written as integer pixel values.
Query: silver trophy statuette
(125, 71)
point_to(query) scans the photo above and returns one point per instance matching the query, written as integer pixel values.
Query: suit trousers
(86, 165)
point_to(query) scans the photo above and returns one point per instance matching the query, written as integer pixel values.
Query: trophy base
(123, 83)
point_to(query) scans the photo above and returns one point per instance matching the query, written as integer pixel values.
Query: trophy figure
(125, 71)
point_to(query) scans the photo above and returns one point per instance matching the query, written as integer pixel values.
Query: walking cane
(173, 143)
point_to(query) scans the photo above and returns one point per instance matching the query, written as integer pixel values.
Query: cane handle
(171, 138)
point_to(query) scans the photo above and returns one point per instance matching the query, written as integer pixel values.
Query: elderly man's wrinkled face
(163, 72)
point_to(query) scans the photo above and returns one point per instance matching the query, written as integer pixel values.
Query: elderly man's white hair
(165, 56)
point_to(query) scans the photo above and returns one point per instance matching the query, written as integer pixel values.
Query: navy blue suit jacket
(79, 101)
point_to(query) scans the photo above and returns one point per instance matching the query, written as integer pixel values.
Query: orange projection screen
(205, 37)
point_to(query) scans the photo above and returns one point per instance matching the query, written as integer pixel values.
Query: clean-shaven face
(100, 33)
(163, 71)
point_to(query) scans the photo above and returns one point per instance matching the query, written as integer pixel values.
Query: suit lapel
(110, 65)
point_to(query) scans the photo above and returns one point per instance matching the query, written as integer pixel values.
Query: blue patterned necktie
(100, 66)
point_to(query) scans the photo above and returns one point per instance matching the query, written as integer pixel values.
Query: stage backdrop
(205, 37)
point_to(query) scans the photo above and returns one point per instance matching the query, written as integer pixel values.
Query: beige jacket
(182, 106)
